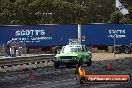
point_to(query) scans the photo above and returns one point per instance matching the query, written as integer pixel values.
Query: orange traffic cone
(30, 75)
(109, 66)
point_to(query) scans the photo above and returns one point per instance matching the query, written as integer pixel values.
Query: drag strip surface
(65, 78)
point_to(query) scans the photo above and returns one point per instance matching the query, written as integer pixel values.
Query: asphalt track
(65, 78)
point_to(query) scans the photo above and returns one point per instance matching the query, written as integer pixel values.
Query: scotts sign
(30, 35)
(29, 32)
(117, 33)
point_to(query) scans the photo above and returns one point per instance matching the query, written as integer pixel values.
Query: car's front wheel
(89, 62)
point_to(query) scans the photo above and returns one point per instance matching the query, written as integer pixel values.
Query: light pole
(114, 43)
(79, 33)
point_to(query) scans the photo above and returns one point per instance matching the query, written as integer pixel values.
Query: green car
(73, 54)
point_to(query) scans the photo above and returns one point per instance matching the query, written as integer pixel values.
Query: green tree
(116, 17)
(66, 12)
(35, 12)
(6, 12)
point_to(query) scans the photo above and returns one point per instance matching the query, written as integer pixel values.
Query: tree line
(37, 12)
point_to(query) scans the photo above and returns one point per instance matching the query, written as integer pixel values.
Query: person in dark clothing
(8, 49)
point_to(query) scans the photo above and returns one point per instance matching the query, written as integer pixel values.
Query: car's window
(84, 49)
(71, 49)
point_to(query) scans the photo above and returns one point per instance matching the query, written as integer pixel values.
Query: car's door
(85, 54)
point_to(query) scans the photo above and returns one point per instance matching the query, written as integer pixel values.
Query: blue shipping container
(103, 34)
(46, 35)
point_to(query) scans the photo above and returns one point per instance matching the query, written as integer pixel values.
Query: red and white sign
(107, 78)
